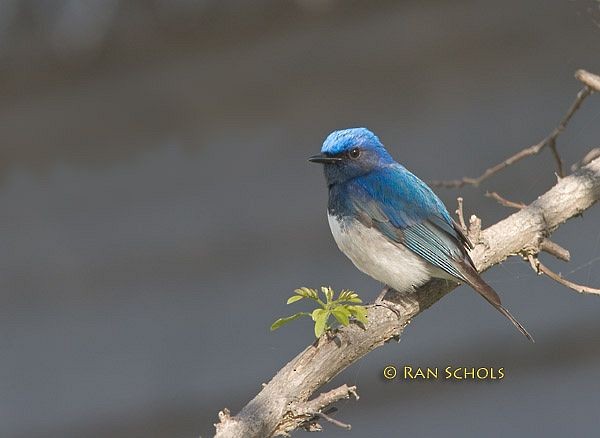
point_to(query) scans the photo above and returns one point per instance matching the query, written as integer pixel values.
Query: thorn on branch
(540, 268)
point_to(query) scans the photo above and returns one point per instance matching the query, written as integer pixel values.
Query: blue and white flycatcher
(390, 223)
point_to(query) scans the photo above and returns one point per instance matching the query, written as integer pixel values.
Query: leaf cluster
(344, 308)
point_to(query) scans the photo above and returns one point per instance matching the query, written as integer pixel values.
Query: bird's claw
(381, 296)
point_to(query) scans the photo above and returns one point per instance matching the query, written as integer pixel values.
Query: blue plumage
(340, 141)
(389, 222)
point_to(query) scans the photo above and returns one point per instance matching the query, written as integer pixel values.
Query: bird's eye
(354, 153)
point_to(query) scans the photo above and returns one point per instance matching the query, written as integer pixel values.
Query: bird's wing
(405, 209)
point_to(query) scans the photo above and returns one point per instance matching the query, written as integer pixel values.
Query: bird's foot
(381, 296)
(380, 301)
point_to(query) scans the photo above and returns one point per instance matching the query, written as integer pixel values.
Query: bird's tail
(474, 280)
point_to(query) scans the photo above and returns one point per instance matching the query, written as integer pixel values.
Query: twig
(533, 263)
(541, 268)
(460, 214)
(590, 156)
(328, 398)
(302, 415)
(556, 155)
(555, 249)
(589, 79)
(332, 420)
(474, 232)
(591, 82)
(505, 202)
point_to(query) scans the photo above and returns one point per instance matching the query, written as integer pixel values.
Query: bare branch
(540, 268)
(505, 202)
(474, 233)
(460, 214)
(591, 82)
(521, 232)
(555, 249)
(333, 420)
(556, 155)
(588, 158)
(589, 79)
(326, 399)
(302, 415)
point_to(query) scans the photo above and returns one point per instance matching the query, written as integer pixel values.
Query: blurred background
(158, 208)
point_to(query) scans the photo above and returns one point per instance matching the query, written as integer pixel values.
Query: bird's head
(350, 153)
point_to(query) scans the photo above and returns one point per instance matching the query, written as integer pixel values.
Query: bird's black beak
(324, 159)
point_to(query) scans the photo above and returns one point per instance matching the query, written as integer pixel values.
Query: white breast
(385, 261)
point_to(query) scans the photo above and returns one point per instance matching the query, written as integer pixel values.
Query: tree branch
(461, 215)
(521, 233)
(505, 202)
(556, 250)
(306, 414)
(540, 268)
(592, 83)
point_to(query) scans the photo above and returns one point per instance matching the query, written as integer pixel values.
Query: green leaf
(341, 314)
(359, 312)
(300, 291)
(316, 313)
(282, 321)
(354, 298)
(321, 322)
(349, 297)
(294, 298)
(342, 308)
(303, 291)
(307, 293)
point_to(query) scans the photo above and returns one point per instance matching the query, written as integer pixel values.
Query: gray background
(158, 209)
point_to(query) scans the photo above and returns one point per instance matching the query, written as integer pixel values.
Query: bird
(390, 224)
